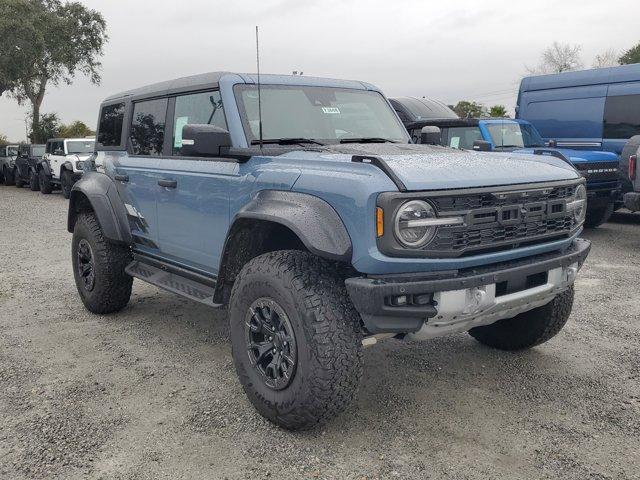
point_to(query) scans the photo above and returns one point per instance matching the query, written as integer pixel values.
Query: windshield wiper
(286, 141)
(367, 140)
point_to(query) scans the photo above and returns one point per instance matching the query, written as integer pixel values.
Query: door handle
(168, 183)
(121, 178)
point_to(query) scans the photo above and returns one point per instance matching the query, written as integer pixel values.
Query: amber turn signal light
(379, 222)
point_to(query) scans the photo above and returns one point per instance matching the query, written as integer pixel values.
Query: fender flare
(44, 165)
(97, 192)
(312, 219)
(66, 166)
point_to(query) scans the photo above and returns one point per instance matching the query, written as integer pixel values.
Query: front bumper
(632, 201)
(430, 305)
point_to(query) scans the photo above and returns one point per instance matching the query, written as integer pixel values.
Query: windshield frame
(530, 130)
(67, 144)
(248, 133)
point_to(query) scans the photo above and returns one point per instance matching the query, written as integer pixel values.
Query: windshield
(326, 115)
(12, 151)
(85, 146)
(514, 135)
(37, 150)
(463, 137)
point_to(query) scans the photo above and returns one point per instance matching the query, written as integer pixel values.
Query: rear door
(193, 209)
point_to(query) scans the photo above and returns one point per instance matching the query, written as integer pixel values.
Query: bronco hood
(426, 167)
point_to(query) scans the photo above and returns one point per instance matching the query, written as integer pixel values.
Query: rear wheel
(596, 216)
(45, 182)
(34, 182)
(8, 177)
(296, 338)
(529, 328)
(98, 267)
(66, 181)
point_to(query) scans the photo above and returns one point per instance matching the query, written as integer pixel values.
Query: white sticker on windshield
(331, 110)
(455, 142)
(177, 134)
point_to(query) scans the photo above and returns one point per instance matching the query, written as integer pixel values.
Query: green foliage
(498, 111)
(466, 109)
(48, 127)
(631, 56)
(46, 42)
(76, 129)
(3, 140)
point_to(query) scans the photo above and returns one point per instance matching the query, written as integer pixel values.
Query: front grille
(597, 172)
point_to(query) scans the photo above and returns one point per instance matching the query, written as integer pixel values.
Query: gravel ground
(151, 392)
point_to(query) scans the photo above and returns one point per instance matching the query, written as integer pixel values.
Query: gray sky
(462, 49)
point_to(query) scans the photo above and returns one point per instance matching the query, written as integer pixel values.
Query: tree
(466, 109)
(498, 111)
(3, 140)
(70, 41)
(608, 58)
(76, 129)
(559, 57)
(48, 127)
(631, 56)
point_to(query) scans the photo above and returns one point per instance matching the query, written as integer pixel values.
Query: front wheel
(17, 179)
(34, 182)
(529, 328)
(98, 267)
(296, 338)
(45, 183)
(66, 181)
(596, 216)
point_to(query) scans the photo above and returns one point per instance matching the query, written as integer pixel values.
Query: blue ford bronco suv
(303, 207)
(601, 169)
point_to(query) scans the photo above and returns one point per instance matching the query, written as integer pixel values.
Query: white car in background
(8, 154)
(64, 163)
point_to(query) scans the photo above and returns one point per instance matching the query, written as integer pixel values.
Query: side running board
(174, 280)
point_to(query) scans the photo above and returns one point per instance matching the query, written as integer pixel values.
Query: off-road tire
(112, 288)
(45, 183)
(327, 332)
(66, 183)
(8, 177)
(17, 179)
(599, 215)
(34, 181)
(529, 328)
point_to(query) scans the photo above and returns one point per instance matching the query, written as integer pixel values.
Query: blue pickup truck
(302, 205)
(601, 169)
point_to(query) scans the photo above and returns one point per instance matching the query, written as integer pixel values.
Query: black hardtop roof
(445, 122)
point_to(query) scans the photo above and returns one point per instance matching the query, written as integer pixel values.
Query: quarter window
(622, 116)
(110, 125)
(147, 127)
(200, 108)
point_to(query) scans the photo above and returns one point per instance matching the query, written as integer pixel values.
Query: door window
(622, 116)
(147, 127)
(110, 125)
(199, 108)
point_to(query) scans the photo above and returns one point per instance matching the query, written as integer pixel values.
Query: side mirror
(430, 135)
(204, 140)
(482, 146)
(553, 143)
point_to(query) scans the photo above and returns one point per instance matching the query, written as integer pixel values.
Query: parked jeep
(302, 206)
(632, 198)
(26, 166)
(63, 163)
(601, 169)
(8, 154)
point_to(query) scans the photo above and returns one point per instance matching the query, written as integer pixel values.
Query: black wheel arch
(281, 220)
(96, 192)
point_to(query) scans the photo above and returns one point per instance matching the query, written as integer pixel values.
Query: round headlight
(580, 204)
(408, 229)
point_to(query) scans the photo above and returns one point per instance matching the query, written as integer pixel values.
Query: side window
(147, 127)
(198, 108)
(622, 116)
(110, 125)
(49, 149)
